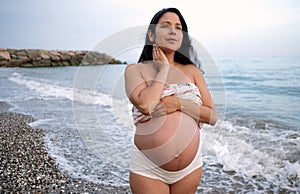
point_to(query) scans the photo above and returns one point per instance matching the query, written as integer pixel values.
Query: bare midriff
(169, 141)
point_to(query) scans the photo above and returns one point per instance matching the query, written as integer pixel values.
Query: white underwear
(142, 165)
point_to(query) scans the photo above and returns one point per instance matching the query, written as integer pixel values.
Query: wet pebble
(25, 165)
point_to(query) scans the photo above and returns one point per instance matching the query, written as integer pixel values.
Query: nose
(172, 31)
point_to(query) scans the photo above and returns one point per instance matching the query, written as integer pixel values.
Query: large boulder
(4, 55)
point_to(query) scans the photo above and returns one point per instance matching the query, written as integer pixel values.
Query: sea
(253, 148)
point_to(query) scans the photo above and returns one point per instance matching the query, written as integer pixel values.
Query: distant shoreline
(52, 58)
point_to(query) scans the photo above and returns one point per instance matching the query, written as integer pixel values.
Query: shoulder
(131, 67)
(136, 66)
(195, 73)
(138, 69)
(192, 70)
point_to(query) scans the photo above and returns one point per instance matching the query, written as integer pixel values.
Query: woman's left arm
(205, 113)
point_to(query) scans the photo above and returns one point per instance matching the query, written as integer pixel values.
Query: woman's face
(168, 32)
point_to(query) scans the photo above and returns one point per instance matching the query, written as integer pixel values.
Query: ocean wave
(45, 89)
(253, 152)
(120, 108)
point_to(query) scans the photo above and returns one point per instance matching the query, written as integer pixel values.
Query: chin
(168, 49)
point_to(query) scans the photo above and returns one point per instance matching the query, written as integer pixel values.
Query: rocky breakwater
(48, 58)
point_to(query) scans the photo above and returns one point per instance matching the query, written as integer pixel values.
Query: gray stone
(45, 56)
(27, 65)
(71, 54)
(85, 63)
(12, 51)
(13, 56)
(21, 53)
(46, 62)
(74, 61)
(57, 64)
(33, 53)
(4, 55)
(65, 58)
(54, 53)
(65, 63)
(54, 58)
(3, 63)
(14, 63)
(36, 63)
(25, 59)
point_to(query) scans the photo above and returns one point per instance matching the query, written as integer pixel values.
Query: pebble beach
(26, 167)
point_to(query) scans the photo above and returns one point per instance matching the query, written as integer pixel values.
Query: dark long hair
(183, 54)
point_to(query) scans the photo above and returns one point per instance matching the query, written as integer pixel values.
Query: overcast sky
(224, 28)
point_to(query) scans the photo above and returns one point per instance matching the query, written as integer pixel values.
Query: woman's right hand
(159, 58)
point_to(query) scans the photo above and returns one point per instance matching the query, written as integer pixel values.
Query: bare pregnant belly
(170, 141)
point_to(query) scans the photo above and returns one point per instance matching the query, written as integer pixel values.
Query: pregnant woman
(170, 102)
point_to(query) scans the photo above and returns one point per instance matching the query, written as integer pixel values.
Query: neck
(170, 57)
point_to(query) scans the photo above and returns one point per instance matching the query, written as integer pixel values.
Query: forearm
(151, 95)
(200, 113)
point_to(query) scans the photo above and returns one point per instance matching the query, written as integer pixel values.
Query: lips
(171, 40)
